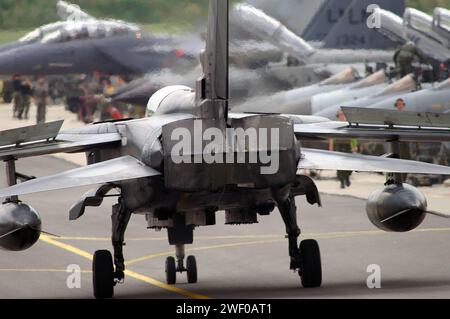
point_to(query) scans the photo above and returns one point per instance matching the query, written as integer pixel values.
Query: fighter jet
(269, 29)
(99, 45)
(331, 23)
(434, 99)
(398, 88)
(416, 26)
(441, 23)
(312, 99)
(192, 159)
(243, 83)
(314, 104)
(69, 13)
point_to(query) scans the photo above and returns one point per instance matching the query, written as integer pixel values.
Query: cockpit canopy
(441, 22)
(391, 25)
(89, 29)
(422, 23)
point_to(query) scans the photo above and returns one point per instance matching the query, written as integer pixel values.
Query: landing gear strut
(304, 258)
(105, 273)
(172, 266)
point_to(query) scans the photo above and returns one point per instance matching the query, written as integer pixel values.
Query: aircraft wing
(380, 125)
(43, 139)
(326, 160)
(115, 170)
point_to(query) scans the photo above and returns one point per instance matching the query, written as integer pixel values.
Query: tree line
(27, 14)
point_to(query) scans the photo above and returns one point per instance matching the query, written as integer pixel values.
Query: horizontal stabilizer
(115, 170)
(32, 133)
(342, 130)
(325, 160)
(64, 143)
(355, 115)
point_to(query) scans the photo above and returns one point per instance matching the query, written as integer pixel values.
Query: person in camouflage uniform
(17, 95)
(40, 94)
(404, 57)
(27, 92)
(344, 146)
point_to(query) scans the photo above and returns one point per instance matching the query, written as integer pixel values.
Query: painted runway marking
(38, 270)
(129, 273)
(275, 239)
(169, 253)
(280, 239)
(269, 236)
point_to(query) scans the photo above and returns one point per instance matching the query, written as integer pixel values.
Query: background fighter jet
(104, 46)
(313, 104)
(415, 26)
(69, 14)
(441, 23)
(331, 23)
(401, 87)
(434, 99)
(283, 100)
(269, 29)
(182, 188)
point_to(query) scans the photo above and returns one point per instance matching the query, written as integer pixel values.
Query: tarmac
(248, 261)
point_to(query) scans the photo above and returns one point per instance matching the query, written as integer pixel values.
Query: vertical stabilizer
(352, 31)
(325, 19)
(213, 92)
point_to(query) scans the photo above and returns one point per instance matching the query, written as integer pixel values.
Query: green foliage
(28, 14)
(428, 5)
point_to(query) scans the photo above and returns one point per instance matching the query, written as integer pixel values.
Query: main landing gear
(106, 273)
(304, 258)
(172, 267)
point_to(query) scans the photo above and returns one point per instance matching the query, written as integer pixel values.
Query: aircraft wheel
(171, 271)
(311, 267)
(191, 267)
(103, 274)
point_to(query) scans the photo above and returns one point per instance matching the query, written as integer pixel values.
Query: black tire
(103, 274)
(191, 267)
(311, 270)
(171, 271)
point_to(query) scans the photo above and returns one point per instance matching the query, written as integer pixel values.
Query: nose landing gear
(172, 266)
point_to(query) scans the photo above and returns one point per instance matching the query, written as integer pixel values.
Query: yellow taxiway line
(38, 270)
(129, 273)
(268, 239)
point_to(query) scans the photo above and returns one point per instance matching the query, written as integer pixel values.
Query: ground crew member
(17, 95)
(40, 94)
(400, 104)
(27, 91)
(344, 146)
(404, 58)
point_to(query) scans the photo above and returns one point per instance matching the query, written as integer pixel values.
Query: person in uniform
(400, 104)
(17, 95)
(404, 57)
(27, 92)
(40, 95)
(344, 146)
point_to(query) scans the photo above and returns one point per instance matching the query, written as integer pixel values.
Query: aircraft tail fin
(213, 89)
(324, 20)
(352, 31)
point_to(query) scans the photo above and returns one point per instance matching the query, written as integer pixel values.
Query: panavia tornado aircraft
(192, 159)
